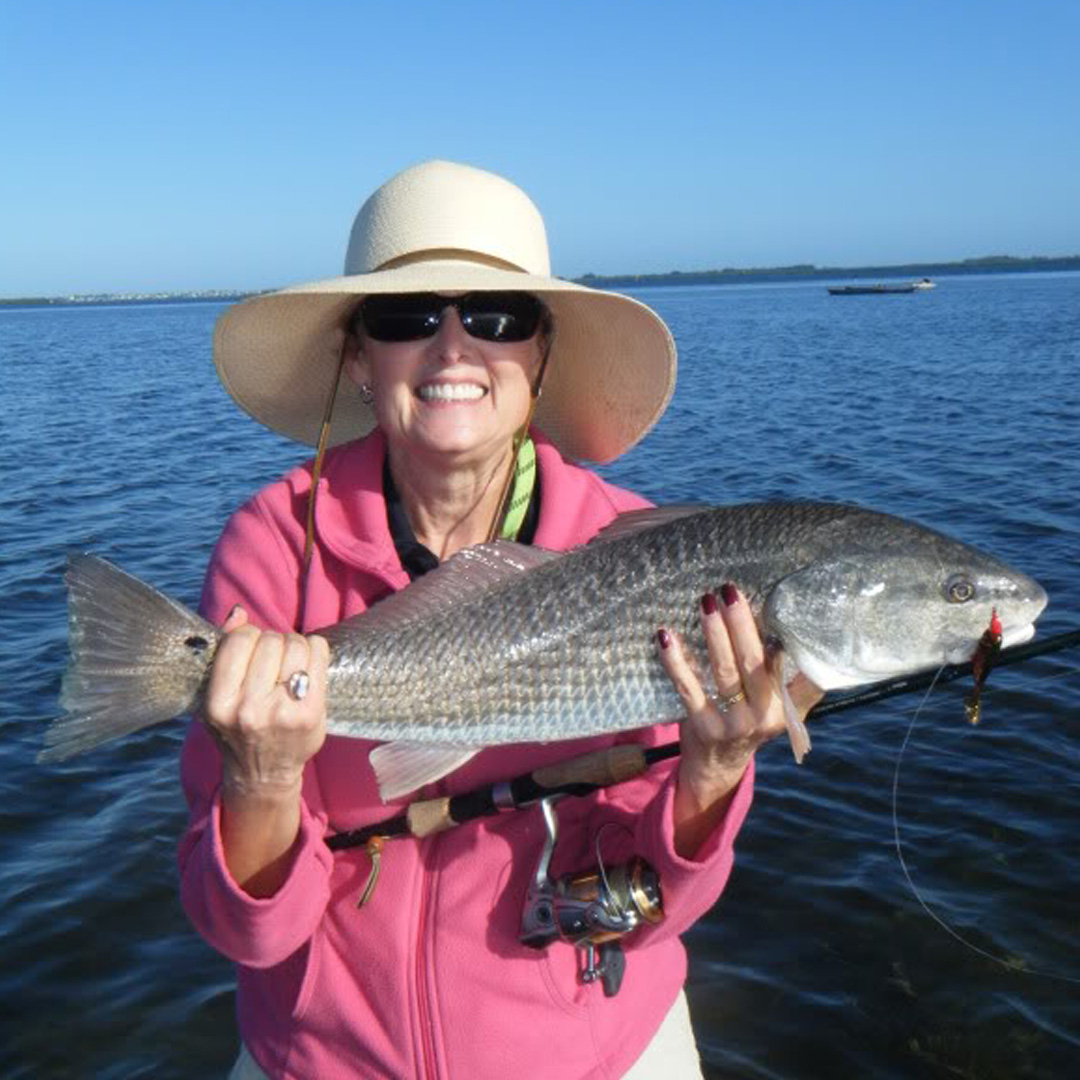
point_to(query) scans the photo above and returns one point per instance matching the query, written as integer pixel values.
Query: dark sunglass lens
(506, 316)
(401, 317)
(500, 316)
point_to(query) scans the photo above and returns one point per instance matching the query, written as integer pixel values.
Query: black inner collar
(416, 559)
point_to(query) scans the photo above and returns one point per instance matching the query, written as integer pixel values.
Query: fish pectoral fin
(783, 669)
(401, 767)
(796, 729)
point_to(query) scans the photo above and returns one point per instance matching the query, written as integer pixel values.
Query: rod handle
(429, 817)
(600, 767)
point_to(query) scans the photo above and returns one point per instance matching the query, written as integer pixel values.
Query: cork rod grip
(601, 767)
(429, 817)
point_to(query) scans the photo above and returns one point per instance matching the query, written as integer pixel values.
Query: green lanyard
(521, 491)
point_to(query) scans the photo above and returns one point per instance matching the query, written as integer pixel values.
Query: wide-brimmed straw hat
(443, 227)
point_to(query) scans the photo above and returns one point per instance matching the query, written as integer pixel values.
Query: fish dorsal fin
(468, 575)
(401, 767)
(635, 521)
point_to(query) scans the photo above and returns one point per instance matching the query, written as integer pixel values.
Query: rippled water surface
(960, 408)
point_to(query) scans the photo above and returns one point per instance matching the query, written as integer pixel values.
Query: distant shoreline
(989, 264)
(113, 299)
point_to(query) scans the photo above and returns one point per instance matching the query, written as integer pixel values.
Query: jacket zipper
(424, 1003)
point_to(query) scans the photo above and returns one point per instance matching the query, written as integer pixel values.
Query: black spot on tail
(196, 643)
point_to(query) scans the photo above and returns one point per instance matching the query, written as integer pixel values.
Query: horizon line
(976, 263)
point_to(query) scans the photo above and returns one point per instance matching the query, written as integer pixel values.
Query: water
(960, 408)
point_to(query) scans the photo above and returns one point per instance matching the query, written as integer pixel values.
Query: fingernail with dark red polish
(708, 604)
(663, 637)
(728, 593)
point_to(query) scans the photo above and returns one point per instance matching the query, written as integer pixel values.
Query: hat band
(453, 254)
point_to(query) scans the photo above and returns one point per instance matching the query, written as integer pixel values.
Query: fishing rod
(602, 768)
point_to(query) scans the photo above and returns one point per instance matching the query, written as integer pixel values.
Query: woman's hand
(721, 733)
(265, 735)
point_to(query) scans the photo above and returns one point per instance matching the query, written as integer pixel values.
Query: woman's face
(449, 395)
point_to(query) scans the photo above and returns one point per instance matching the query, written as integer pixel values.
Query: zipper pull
(373, 849)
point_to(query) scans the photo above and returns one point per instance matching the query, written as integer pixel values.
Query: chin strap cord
(316, 472)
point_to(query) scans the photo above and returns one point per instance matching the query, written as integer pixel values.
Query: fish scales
(505, 643)
(569, 647)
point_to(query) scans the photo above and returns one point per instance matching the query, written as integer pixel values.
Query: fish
(509, 643)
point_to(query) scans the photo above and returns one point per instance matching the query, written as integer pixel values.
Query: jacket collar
(350, 511)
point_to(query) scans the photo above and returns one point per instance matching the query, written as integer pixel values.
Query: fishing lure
(986, 654)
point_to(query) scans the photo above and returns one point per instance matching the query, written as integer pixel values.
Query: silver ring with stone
(297, 684)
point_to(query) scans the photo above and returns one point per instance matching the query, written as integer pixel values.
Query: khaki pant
(672, 1054)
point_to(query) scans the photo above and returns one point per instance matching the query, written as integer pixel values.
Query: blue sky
(198, 145)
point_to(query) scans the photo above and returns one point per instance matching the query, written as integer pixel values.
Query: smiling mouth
(450, 392)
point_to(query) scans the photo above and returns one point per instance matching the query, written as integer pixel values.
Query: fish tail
(136, 659)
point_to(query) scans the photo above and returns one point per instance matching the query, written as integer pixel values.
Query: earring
(367, 395)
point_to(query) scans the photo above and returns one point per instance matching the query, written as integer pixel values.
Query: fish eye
(959, 590)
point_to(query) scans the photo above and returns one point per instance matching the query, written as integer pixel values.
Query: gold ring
(725, 703)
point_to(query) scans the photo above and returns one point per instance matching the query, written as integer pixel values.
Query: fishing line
(1017, 967)
(428, 815)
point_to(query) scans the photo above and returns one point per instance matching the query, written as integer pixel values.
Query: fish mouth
(1018, 607)
(829, 674)
(1033, 603)
(1010, 635)
(1017, 635)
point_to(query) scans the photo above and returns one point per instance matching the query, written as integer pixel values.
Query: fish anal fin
(401, 767)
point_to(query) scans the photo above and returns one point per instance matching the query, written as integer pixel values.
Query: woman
(445, 334)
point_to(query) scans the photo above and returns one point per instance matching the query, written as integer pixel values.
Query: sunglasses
(487, 316)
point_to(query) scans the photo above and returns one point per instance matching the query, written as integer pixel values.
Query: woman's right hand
(265, 735)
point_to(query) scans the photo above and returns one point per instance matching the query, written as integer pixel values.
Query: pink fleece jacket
(429, 979)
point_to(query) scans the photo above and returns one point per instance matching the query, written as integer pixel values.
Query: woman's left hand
(721, 732)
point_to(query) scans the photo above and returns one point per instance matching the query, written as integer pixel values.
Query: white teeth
(450, 392)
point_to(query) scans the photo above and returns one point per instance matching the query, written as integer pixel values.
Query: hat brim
(610, 375)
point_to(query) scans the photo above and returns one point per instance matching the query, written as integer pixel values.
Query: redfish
(506, 643)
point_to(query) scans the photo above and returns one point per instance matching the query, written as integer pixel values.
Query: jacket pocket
(559, 968)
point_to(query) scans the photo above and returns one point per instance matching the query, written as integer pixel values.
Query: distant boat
(877, 290)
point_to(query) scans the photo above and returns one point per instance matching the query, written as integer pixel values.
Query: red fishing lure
(986, 652)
